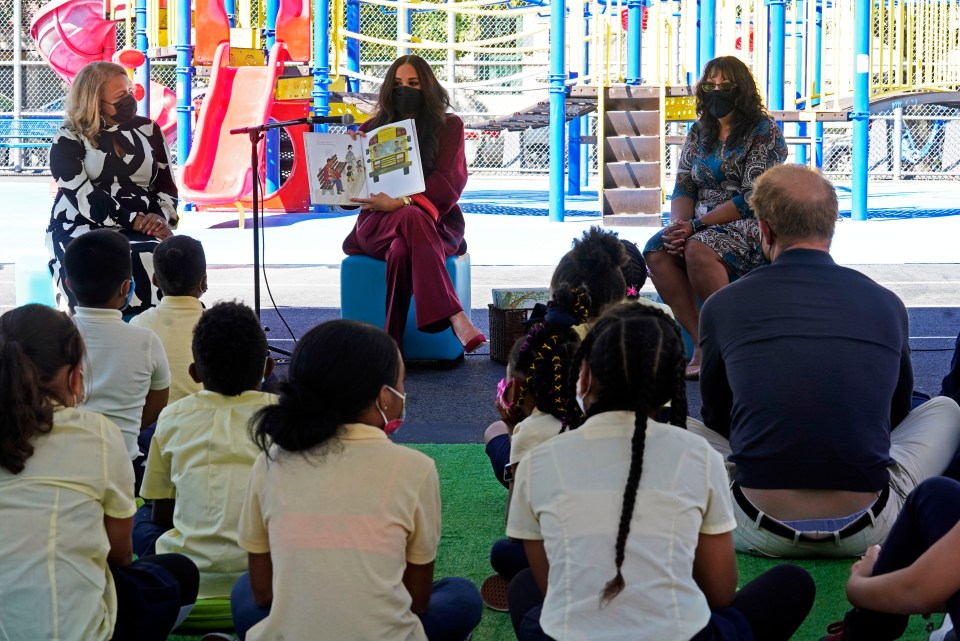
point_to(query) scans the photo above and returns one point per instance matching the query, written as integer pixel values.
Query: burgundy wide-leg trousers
(409, 241)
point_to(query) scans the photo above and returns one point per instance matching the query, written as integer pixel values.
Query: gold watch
(407, 200)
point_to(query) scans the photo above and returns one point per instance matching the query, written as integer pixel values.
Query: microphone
(345, 120)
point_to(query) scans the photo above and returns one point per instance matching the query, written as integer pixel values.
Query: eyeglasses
(723, 87)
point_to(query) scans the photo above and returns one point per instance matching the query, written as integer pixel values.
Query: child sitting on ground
(341, 524)
(596, 264)
(126, 372)
(537, 396)
(180, 271)
(627, 522)
(66, 496)
(200, 459)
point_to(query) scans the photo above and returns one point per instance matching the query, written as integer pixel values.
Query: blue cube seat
(363, 295)
(34, 283)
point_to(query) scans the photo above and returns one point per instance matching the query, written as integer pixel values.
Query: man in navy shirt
(806, 383)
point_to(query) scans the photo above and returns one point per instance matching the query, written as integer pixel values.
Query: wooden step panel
(631, 123)
(631, 149)
(641, 206)
(631, 175)
(624, 98)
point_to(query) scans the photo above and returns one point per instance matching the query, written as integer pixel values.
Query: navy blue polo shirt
(806, 369)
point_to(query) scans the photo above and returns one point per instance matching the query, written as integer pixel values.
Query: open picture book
(386, 159)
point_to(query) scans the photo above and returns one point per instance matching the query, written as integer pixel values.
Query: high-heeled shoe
(474, 343)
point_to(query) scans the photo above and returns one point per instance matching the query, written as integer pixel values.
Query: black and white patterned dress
(100, 189)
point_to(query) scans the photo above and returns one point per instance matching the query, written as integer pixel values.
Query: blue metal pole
(860, 114)
(634, 20)
(142, 74)
(585, 120)
(707, 32)
(321, 60)
(818, 81)
(184, 71)
(558, 76)
(231, 8)
(353, 45)
(777, 19)
(800, 76)
(573, 158)
(272, 138)
(270, 24)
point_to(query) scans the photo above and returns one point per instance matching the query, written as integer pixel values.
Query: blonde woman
(112, 169)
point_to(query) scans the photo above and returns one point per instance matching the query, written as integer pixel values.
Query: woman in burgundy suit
(414, 235)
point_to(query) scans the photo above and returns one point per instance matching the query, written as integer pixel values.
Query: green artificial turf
(473, 513)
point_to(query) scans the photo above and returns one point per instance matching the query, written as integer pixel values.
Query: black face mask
(719, 103)
(124, 109)
(407, 100)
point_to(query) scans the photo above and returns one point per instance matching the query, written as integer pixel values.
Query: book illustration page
(336, 169)
(393, 160)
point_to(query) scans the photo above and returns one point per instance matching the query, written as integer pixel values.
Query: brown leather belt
(780, 529)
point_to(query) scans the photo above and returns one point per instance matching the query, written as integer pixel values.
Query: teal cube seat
(363, 295)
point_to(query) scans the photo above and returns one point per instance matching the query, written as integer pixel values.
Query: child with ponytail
(627, 522)
(341, 525)
(66, 495)
(535, 399)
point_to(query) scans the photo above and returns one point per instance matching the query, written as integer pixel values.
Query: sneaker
(945, 632)
(494, 593)
(834, 632)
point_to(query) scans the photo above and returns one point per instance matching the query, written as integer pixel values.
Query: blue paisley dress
(713, 175)
(98, 188)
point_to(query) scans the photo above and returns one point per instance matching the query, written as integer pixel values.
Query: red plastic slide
(71, 33)
(217, 171)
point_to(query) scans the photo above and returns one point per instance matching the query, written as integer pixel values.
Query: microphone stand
(256, 135)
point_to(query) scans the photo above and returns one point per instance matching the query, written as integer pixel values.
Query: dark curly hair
(179, 264)
(636, 355)
(595, 263)
(544, 357)
(36, 342)
(748, 110)
(433, 113)
(229, 349)
(336, 372)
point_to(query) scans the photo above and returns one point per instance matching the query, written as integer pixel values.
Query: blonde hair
(82, 105)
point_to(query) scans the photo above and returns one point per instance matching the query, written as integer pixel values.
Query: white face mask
(581, 395)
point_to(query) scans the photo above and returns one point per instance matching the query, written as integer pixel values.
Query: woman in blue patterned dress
(112, 170)
(713, 234)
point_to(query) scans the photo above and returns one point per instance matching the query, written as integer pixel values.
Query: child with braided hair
(645, 503)
(536, 400)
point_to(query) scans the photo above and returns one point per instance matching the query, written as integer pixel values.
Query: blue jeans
(454, 610)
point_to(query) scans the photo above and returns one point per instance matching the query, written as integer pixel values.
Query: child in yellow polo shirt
(201, 455)
(180, 271)
(341, 524)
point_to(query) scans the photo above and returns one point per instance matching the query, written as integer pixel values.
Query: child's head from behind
(634, 270)
(543, 361)
(180, 267)
(633, 359)
(229, 349)
(99, 268)
(339, 371)
(40, 354)
(595, 262)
